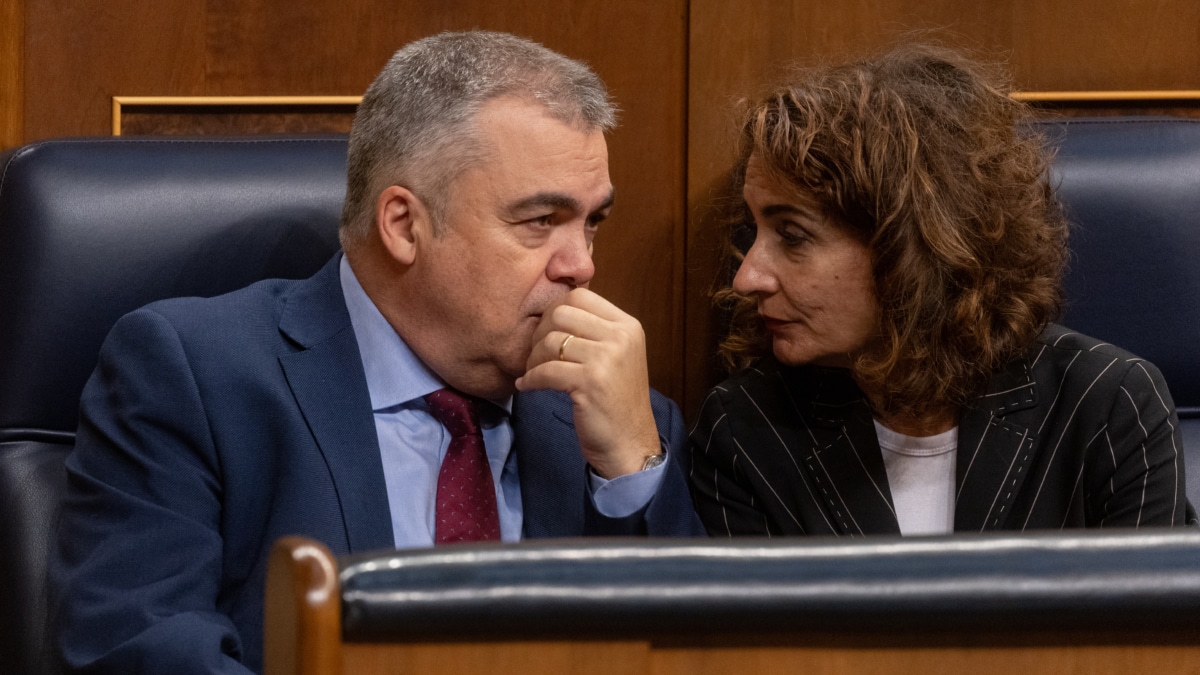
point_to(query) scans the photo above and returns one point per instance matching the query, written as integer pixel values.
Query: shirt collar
(395, 375)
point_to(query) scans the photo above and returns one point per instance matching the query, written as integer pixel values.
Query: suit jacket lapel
(837, 450)
(553, 474)
(854, 465)
(995, 448)
(326, 379)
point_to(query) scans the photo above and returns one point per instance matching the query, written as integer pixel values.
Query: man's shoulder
(305, 309)
(262, 298)
(224, 331)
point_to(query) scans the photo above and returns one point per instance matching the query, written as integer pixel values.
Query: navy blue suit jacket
(212, 427)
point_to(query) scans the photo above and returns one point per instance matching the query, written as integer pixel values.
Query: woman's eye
(790, 236)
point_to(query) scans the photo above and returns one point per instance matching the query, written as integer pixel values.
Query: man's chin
(489, 378)
(505, 384)
(492, 389)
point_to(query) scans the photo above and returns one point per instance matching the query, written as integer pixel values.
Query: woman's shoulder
(1059, 343)
(767, 379)
(764, 368)
(747, 382)
(1065, 340)
(1074, 356)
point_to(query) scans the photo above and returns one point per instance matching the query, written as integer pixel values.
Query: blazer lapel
(994, 450)
(553, 474)
(838, 451)
(326, 379)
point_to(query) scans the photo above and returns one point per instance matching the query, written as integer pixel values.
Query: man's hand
(603, 369)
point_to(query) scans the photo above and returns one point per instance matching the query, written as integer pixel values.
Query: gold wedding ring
(564, 346)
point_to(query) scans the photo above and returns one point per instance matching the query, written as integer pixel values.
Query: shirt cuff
(625, 495)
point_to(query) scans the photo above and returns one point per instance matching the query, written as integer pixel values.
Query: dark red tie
(466, 497)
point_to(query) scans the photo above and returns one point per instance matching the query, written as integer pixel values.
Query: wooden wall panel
(12, 64)
(736, 47)
(83, 53)
(80, 54)
(1106, 44)
(675, 67)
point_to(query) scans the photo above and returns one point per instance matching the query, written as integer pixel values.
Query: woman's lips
(774, 324)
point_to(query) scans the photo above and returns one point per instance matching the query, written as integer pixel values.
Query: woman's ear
(403, 223)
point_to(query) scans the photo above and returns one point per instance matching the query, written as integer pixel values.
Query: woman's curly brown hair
(923, 153)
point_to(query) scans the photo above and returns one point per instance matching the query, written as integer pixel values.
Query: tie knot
(455, 410)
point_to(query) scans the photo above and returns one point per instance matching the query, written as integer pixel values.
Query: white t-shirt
(920, 472)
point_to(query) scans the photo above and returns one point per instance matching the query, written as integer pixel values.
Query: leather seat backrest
(91, 229)
(1131, 187)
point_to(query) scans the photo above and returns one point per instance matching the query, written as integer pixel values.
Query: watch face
(653, 461)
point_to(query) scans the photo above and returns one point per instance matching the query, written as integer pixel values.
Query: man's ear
(403, 221)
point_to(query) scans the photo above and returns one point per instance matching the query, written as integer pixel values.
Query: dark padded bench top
(1140, 585)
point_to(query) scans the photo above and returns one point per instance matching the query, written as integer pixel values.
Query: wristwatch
(654, 460)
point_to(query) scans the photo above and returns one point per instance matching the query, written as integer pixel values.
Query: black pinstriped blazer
(1077, 434)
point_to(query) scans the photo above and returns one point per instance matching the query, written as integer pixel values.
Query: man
(376, 404)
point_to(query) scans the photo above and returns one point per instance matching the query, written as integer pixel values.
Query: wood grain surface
(676, 67)
(81, 54)
(738, 48)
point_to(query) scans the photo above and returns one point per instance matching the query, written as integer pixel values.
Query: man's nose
(572, 260)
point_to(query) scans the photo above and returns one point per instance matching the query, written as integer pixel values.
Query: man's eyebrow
(554, 200)
(541, 200)
(608, 201)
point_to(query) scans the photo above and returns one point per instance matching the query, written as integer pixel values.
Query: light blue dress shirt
(412, 443)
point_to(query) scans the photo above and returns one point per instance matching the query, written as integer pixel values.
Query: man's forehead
(529, 160)
(510, 116)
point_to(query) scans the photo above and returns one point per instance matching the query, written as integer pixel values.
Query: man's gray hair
(415, 125)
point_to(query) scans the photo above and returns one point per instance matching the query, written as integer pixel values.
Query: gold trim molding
(1101, 96)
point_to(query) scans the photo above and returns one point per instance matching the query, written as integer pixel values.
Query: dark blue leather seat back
(1131, 186)
(91, 229)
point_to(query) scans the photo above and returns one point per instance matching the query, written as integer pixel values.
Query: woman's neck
(924, 423)
(919, 426)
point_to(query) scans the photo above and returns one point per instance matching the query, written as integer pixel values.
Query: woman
(901, 371)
